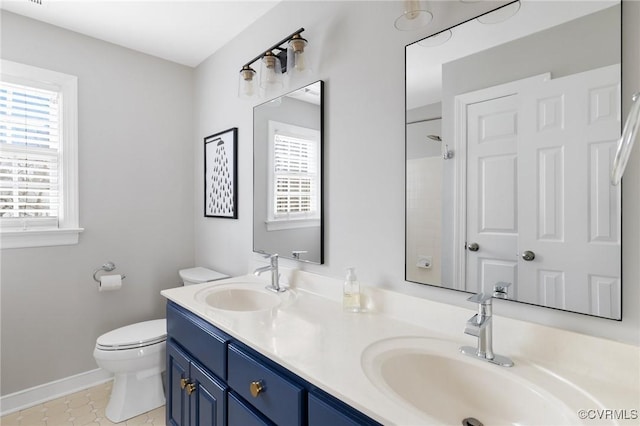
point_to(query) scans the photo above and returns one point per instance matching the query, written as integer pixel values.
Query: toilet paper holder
(107, 267)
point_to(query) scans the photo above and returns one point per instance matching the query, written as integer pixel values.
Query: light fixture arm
(282, 51)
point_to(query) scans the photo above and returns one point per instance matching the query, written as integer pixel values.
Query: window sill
(10, 239)
(278, 225)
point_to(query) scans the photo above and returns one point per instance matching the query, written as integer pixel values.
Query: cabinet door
(208, 401)
(177, 400)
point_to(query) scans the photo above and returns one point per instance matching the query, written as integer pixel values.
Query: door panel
(492, 201)
(577, 236)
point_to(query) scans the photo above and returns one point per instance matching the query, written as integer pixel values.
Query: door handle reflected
(528, 255)
(473, 247)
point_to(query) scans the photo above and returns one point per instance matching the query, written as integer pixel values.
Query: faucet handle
(480, 298)
(500, 290)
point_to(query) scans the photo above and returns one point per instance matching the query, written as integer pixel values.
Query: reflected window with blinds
(38, 157)
(294, 184)
(29, 156)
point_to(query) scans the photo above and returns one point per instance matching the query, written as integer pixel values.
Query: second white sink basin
(432, 377)
(240, 297)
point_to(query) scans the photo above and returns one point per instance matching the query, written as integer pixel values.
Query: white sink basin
(432, 377)
(240, 297)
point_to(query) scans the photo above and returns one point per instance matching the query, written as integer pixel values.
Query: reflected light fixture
(500, 15)
(413, 17)
(285, 58)
(437, 39)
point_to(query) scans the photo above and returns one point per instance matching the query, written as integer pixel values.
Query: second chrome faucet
(480, 326)
(275, 274)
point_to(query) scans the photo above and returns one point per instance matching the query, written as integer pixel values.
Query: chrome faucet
(275, 275)
(480, 326)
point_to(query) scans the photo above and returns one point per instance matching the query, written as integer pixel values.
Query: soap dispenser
(351, 292)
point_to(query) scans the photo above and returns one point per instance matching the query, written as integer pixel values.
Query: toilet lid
(201, 275)
(134, 336)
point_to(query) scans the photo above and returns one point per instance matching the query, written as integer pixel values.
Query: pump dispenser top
(351, 292)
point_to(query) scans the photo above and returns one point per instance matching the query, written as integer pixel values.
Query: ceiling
(181, 31)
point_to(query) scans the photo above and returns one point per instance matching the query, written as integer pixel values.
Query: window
(38, 157)
(294, 183)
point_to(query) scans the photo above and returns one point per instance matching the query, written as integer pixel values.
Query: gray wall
(589, 42)
(136, 157)
(364, 150)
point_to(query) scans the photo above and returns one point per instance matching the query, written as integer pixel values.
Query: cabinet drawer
(202, 340)
(239, 413)
(280, 398)
(325, 410)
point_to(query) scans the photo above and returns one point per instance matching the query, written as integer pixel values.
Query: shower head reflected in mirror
(446, 154)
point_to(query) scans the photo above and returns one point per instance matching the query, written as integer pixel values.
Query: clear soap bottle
(351, 292)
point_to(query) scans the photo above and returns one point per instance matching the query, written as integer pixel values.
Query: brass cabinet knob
(191, 387)
(184, 383)
(256, 387)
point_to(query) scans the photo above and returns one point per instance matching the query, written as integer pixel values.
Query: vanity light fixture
(414, 16)
(285, 58)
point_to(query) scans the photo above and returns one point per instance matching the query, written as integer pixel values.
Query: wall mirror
(287, 175)
(512, 121)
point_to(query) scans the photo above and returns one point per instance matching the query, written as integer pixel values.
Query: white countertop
(310, 335)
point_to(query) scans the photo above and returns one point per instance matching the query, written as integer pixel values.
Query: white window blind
(29, 155)
(38, 157)
(294, 182)
(295, 175)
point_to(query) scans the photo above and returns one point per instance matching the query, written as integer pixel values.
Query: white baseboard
(39, 394)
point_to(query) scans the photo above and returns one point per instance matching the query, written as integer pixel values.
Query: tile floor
(84, 408)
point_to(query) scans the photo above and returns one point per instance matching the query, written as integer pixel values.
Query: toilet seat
(134, 336)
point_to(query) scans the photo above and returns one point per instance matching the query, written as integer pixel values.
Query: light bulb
(246, 84)
(271, 74)
(296, 49)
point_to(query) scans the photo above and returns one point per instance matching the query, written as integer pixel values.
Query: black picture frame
(221, 174)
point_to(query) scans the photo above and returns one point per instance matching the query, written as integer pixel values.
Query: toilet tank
(199, 275)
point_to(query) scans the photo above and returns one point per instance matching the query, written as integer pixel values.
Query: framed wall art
(221, 174)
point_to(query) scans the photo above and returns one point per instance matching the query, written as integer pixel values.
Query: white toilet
(135, 354)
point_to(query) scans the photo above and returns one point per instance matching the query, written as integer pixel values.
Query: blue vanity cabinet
(229, 383)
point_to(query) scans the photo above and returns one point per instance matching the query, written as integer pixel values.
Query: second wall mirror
(512, 123)
(287, 175)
